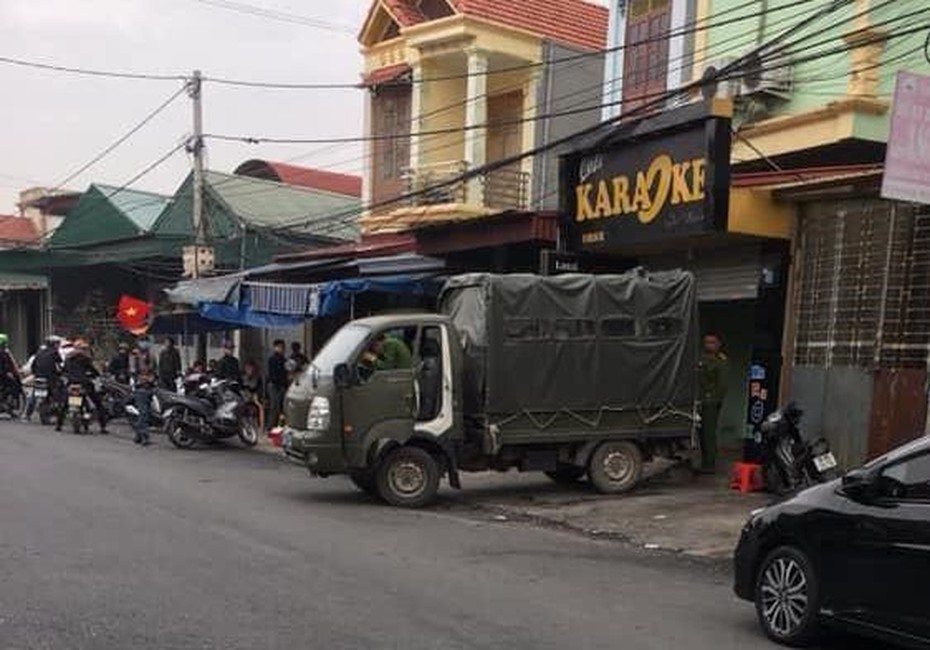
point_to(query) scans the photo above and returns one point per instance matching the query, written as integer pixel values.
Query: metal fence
(863, 296)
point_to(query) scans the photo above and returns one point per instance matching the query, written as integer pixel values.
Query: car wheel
(566, 474)
(615, 467)
(788, 597)
(408, 478)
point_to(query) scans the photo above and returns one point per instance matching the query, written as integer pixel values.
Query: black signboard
(664, 177)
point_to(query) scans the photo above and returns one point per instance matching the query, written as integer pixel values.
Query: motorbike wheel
(45, 415)
(76, 423)
(174, 428)
(248, 427)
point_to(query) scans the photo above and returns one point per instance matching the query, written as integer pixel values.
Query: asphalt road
(107, 545)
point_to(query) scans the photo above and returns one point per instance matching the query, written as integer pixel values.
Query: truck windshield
(339, 348)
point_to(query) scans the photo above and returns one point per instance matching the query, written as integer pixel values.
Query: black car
(853, 553)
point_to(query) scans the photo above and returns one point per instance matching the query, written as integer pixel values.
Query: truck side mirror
(343, 376)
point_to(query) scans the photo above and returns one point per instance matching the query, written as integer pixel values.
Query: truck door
(382, 400)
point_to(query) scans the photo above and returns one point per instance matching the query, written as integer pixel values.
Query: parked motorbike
(117, 398)
(215, 410)
(81, 409)
(791, 463)
(11, 401)
(43, 400)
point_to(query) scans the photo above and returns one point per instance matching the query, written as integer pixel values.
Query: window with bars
(863, 292)
(645, 68)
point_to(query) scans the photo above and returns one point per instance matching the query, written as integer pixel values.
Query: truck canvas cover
(576, 343)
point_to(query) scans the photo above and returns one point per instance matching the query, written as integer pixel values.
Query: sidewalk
(700, 517)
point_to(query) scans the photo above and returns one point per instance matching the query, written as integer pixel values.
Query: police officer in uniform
(712, 379)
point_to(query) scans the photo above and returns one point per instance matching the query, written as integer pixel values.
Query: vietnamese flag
(133, 314)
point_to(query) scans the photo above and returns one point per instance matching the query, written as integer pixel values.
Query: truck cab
(381, 403)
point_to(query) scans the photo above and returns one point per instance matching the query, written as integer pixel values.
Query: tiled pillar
(476, 116)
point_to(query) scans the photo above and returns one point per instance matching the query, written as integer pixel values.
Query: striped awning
(284, 299)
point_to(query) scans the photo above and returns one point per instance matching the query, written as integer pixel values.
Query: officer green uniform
(394, 355)
(712, 378)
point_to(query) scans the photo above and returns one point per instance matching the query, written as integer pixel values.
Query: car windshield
(339, 348)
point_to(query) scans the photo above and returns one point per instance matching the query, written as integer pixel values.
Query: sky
(53, 123)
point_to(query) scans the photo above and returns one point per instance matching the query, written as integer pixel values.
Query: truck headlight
(319, 415)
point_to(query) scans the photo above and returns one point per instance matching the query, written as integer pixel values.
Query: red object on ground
(275, 435)
(133, 314)
(747, 477)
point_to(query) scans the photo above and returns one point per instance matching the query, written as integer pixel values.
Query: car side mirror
(860, 485)
(343, 376)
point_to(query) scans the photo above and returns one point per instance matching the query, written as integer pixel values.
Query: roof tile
(17, 230)
(574, 22)
(314, 179)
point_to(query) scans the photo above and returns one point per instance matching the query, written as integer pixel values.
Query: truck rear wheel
(615, 467)
(408, 477)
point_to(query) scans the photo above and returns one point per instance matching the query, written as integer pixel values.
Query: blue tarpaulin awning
(238, 300)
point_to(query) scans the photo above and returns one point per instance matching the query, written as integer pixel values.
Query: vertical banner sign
(907, 160)
(665, 177)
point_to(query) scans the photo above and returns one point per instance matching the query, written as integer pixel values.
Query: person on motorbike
(46, 364)
(9, 370)
(79, 369)
(119, 364)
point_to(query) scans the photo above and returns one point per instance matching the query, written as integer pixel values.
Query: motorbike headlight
(318, 417)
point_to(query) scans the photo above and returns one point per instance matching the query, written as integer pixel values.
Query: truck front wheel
(615, 467)
(408, 477)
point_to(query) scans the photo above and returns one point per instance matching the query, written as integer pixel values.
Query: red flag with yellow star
(133, 314)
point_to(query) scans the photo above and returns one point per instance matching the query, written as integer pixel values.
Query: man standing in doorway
(277, 383)
(712, 379)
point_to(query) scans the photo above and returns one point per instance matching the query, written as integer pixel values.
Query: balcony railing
(504, 189)
(423, 181)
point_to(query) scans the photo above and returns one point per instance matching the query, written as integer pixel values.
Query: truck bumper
(314, 451)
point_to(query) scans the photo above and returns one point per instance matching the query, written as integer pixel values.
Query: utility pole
(196, 147)
(198, 252)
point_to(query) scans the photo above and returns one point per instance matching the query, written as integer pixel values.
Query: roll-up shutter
(722, 274)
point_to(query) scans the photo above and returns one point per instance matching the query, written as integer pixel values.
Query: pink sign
(907, 161)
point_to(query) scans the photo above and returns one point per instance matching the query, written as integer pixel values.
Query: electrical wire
(530, 65)
(594, 93)
(277, 15)
(336, 86)
(112, 74)
(126, 136)
(485, 169)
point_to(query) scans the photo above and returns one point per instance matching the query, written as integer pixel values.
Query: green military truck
(571, 375)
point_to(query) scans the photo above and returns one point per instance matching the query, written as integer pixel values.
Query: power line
(722, 74)
(694, 28)
(277, 15)
(336, 85)
(103, 154)
(780, 56)
(594, 94)
(112, 74)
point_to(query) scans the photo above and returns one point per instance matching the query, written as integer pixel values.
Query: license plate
(75, 401)
(825, 462)
(41, 393)
(287, 439)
